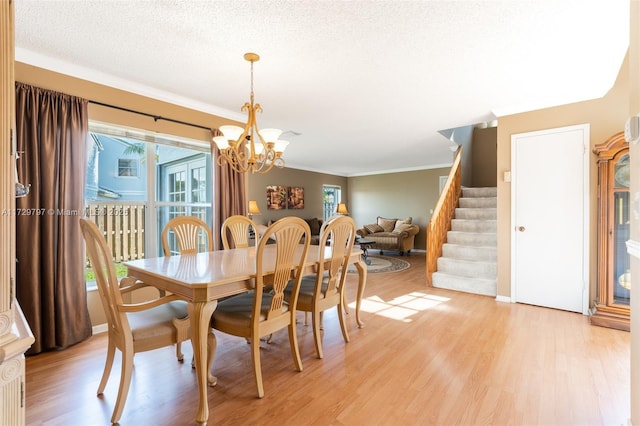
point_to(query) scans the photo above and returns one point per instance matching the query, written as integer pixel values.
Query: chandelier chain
(251, 93)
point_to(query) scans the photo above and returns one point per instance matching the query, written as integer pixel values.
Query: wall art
(276, 197)
(295, 199)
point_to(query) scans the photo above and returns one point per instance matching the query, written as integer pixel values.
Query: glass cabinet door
(621, 233)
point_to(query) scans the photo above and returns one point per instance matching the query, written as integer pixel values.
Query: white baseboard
(100, 328)
(504, 299)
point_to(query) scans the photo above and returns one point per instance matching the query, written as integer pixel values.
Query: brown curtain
(229, 192)
(51, 138)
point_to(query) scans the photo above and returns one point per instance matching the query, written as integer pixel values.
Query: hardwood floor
(425, 356)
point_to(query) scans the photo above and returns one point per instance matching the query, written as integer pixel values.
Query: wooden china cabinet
(612, 304)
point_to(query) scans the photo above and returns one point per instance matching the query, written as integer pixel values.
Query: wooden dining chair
(237, 227)
(189, 232)
(259, 313)
(132, 328)
(326, 288)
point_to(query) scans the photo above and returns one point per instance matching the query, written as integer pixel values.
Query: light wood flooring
(425, 356)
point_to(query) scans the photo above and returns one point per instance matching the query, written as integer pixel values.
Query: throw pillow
(401, 226)
(387, 224)
(372, 228)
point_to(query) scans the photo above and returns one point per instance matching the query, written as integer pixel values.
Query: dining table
(202, 279)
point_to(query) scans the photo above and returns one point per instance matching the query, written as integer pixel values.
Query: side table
(365, 245)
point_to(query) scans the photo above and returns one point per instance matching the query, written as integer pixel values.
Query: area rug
(382, 264)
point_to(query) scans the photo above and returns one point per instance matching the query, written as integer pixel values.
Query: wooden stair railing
(440, 222)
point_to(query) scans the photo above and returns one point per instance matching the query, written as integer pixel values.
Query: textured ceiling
(367, 84)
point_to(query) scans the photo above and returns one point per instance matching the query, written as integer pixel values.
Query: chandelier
(249, 149)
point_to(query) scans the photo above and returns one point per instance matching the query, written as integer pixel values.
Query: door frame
(586, 203)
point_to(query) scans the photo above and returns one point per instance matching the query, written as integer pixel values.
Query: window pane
(176, 187)
(184, 188)
(119, 172)
(199, 187)
(127, 167)
(110, 159)
(117, 206)
(331, 196)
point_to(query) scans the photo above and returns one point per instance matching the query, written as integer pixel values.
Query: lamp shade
(232, 133)
(280, 145)
(221, 142)
(342, 209)
(253, 207)
(270, 135)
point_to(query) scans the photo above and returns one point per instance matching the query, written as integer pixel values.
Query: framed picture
(276, 197)
(295, 199)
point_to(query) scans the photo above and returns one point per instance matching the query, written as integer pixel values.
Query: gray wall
(396, 195)
(391, 195)
(311, 182)
(484, 157)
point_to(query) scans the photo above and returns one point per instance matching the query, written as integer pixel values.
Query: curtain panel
(51, 131)
(229, 192)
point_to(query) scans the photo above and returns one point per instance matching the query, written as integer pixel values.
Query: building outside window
(165, 177)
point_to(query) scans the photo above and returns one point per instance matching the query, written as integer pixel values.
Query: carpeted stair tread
(478, 239)
(468, 268)
(470, 252)
(469, 257)
(483, 286)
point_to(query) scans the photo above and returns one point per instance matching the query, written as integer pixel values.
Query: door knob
(521, 228)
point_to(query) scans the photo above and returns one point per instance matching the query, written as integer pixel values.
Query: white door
(550, 209)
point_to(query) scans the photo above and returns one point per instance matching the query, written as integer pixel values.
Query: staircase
(468, 261)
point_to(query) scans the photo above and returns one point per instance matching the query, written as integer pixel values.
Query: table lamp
(342, 209)
(253, 211)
